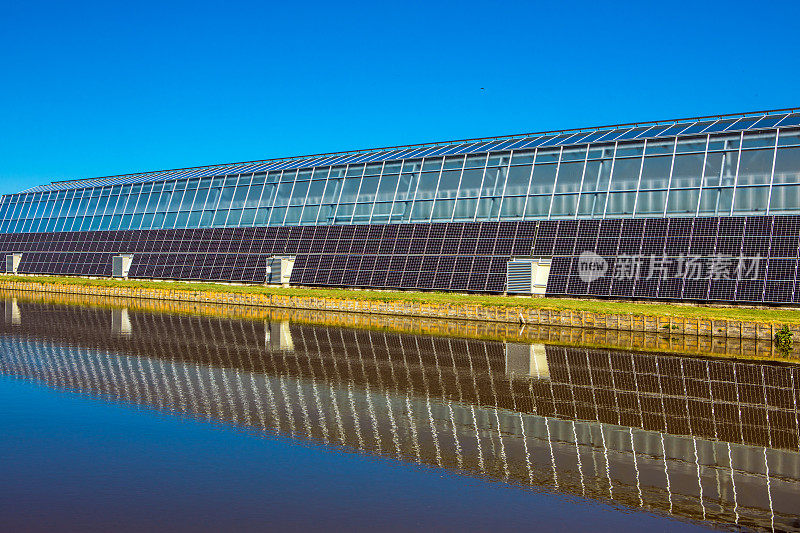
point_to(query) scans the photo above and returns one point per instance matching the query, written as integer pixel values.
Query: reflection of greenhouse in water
(697, 438)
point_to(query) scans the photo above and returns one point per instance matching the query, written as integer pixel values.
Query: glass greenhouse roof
(600, 134)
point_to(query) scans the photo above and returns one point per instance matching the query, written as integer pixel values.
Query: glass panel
(537, 206)
(517, 182)
(224, 201)
(755, 167)
(406, 186)
(186, 202)
(502, 159)
(597, 175)
(412, 165)
(101, 204)
(422, 211)
(513, 207)
(350, 190)
(361, 213)
(194, 220)
(626, 174)
(387, 187)
(325, 216)
(655, 173)
(544, 178)
(276, 216)
(310, 214)
(784, 199)
(368, 187)
(448, 184)
(262, 216)
(454, 162)
(630, 149)
(443, 210)
(344, 213)
(233, 217)
(751, 200)
(293, 215)
(547, 156)
(789, 137)
(488, 208)
(659, 147)
(651, 203)
(787, 166)
(299, 193)
(282, 196)
(471, 183)
(693, 144)
(427, 185)
(476, 161)
(569, 177)
(465, 209)
(720, 169)
(717, 200)
(591, 204)
(332, 190)
(212, 198)
(687, 170)
(254, 195)
(522, 157)
(220, 216)
(494, 181)
(373, 169)
(390, 167)
(758, 139)
(314, 193)
(683, 202)
(723, 142)
(380, 209)
(432, 164)
(564, 205)
(620, 203)
(573, 154)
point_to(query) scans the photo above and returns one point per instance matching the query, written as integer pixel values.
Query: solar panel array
(644, 130)
(767, 247)
(456, 256)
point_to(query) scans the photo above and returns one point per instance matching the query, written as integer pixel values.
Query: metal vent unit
(120, 265)
(279, 270)
(527, 275)
(12, 263)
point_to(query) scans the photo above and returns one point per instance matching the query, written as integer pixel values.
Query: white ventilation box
(12, 263)
(527, 275)
(279, 270)
(120, 265)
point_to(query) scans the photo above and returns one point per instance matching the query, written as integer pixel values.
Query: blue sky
(99, 88)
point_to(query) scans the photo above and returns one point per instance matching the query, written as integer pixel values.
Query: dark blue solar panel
(743, 123)
(791, 120)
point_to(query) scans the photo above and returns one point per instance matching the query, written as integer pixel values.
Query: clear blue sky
(98, 88)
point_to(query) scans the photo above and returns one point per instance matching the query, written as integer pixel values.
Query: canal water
(123, 419)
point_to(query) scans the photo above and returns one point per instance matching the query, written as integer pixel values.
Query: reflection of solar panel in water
(539, 416)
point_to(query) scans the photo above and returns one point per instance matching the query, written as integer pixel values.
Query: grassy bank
(776, 315)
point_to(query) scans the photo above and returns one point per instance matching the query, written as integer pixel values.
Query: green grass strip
(658, 309)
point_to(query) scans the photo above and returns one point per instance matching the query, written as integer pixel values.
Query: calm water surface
(122, 420)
